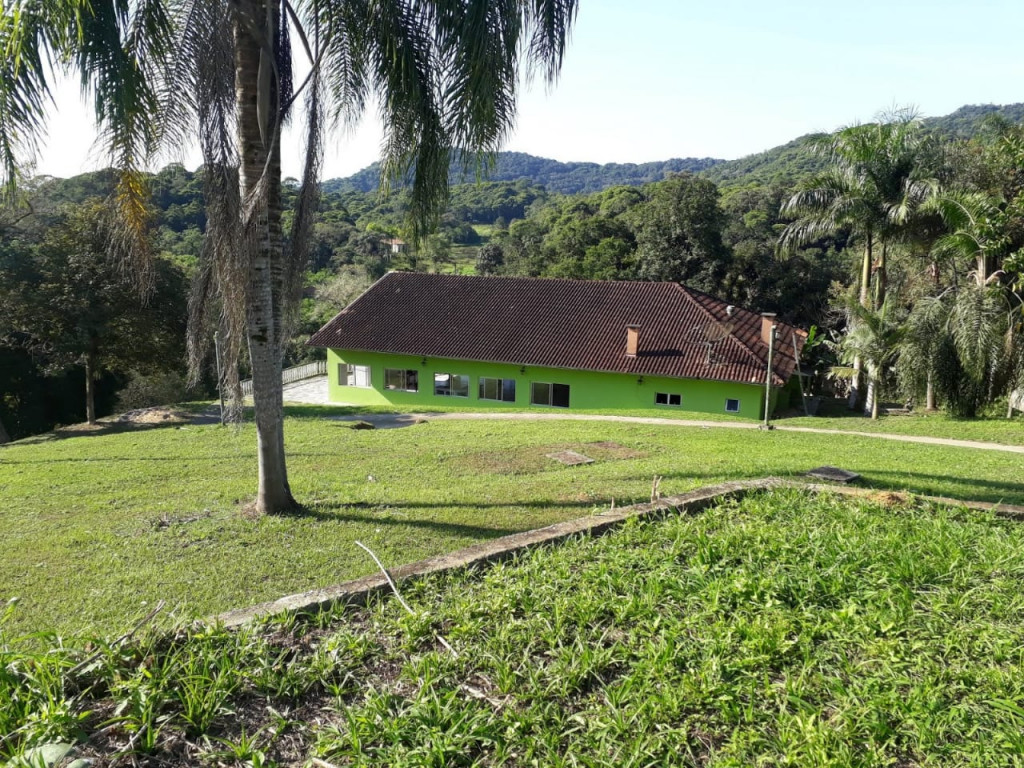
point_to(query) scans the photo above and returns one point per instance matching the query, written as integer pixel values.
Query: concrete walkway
(308, 391)
(314, 392)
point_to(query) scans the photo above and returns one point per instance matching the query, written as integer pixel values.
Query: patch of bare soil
(529, 460)
(83, 427)
(156, 415)
(891, 500)
(141, 417)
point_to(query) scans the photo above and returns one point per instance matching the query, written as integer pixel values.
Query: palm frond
(118, 53)
(977, 324)
(34, 37)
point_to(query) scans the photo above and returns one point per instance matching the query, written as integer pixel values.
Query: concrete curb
(358, 591)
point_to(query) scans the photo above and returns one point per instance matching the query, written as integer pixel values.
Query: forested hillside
(784, 164)
(789, 163)
(566, 178)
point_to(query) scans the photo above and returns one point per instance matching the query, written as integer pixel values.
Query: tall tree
(975, 338)
(874, 339)
(879, 176)
(444, 72)
(679, 233)
(69, 304)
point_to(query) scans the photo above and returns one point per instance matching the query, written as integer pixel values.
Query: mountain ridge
(784, 164)
(565, 177)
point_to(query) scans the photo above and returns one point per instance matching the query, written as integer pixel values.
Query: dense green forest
(899, 241)
(566, 178)
(793, 161)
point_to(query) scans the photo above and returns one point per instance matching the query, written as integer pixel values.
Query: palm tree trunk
(881, 279)
(871, 401)
(6, 438)
(929, 393)
(90, 388)
(260, 154)
(865, 272)
(865, 301)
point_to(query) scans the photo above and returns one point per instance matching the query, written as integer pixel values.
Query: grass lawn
(994, 429)
(785, 629)
(97, 528)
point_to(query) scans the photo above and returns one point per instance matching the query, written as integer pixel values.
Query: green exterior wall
(589, 390)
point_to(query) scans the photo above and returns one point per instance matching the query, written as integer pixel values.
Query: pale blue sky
(654, 79)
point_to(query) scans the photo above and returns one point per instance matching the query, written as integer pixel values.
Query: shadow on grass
(298, 411)
(838, 410)
(353, 512)
(97, 430)
(970, 488)
(178, 458)
(995, 491)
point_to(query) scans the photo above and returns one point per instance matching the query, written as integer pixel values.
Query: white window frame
(405, 376)
(551, 393)
(350, 375)
(501, 387)
(732, 400)
(438, 389)
(669, 397)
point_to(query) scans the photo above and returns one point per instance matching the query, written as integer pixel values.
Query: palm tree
(875, 184)
(973, 331)
(921, 350)
(874, 339)
(974, 231)
(444, 73)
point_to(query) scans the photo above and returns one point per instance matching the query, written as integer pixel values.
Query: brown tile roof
(561, 324)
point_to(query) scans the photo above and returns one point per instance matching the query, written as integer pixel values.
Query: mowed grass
(987, 429)
(98, 528)
(783, 629)
(990, 428)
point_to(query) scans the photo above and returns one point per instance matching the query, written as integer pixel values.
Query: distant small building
(416, 338)
(396, 245)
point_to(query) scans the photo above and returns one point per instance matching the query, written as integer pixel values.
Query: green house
(500, 342)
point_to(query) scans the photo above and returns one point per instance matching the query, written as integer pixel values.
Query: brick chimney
(632, 340)
(767, 321)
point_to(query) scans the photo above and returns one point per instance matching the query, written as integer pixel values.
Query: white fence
(296, 373)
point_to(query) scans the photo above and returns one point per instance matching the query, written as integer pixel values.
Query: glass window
(404, 380)
(354, 375)
(732, 406)
(667, 398)
(451, 385)
(556, 395)
(560, 395)
(498, 389)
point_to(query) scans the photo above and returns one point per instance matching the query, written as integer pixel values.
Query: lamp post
(768, 377)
